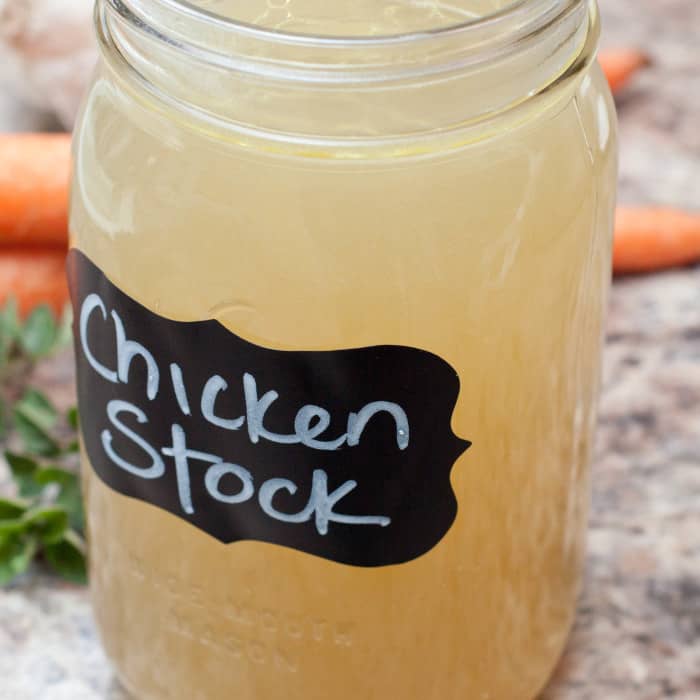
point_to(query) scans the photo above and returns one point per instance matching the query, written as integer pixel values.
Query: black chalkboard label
(344, 454)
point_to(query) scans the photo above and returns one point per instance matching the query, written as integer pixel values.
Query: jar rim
(273, 53)
(531, 12)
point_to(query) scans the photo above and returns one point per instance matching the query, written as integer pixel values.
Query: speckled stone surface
(637, 635)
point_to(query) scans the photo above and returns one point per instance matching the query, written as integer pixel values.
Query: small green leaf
(36, 407)
(72, 447)
(24, 471)
(11, 527)
(16, 554)
(71, 499)
(55, 475)
(40, 331)
(34, 417)
(69, 496)
(64, 333)
(9, 318)
(72, 417)
(34, 439)
(11, 509)
(67, 558)
(49, 523)
(9, 329)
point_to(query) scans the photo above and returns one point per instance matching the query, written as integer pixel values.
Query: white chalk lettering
(127, 350)
(320, 504)
(220, 480)
(92, 302)
(307, 432)
(217, 472)
(179, 388)
(270, 489)
(358, 421)
(114, 408)
(324, 502)
(181, 455)
(256, 408)
(211, 390)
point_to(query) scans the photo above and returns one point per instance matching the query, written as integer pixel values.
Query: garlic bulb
(47, 52)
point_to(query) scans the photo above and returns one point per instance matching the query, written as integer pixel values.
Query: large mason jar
(339, 272)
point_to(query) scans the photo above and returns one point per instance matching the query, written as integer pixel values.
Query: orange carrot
(619, 65)
(34, 175)
(33, 277)
(654, 238)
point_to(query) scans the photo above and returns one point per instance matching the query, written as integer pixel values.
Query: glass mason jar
(339, 273)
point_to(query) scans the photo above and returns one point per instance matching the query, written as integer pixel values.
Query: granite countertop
(637, 634)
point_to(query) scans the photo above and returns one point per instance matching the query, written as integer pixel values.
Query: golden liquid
(494, 256)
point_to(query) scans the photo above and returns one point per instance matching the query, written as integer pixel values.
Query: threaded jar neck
(303, 86)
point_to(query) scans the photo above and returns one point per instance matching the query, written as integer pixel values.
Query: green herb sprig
(45, 521)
